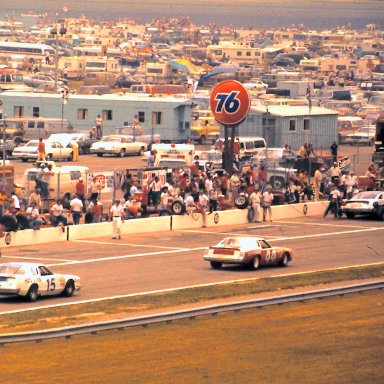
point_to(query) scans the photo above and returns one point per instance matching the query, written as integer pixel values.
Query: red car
(253, 252)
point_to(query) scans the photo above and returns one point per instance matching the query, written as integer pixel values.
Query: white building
(168, 116)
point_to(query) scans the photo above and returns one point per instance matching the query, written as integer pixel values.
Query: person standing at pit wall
(117, 216)
(267, 202)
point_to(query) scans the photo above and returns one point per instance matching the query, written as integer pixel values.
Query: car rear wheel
(350, 215)
(122, 153)
(371, 142)
(48, 157)
(284, 260)
(69, 289)
(33, 293)
(141, 151)
(216, 264)
(99, 154)
(70, 157)
(24, 160)
(255, 264)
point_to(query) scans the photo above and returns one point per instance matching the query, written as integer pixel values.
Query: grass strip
(129, 306)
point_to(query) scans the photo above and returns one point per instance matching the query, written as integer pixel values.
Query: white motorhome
(61, 183)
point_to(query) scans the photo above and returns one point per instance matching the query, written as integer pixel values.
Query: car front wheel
(69, 289)
(141, 151)
(284, 260)
(350, 215)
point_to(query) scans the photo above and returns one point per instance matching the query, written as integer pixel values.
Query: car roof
(22, 264)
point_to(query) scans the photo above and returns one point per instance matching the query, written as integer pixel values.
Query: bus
(30, 50)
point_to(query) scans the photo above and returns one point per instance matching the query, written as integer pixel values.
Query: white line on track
(127, 244)
(336, 224)
(180, 288)
(326, 234)
(126, 256)
(32, 258)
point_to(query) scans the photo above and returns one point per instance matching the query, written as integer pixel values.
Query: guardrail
(68, 332)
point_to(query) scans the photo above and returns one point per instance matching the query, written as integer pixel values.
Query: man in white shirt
(334, 172)
(334, 199)
(15, 202)
(267, 203)
(117, 216)
(255, 199)
(57, 214)
(76, 209)
(33, 216)
(203, 205)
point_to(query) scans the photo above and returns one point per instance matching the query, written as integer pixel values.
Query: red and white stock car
(252, 252)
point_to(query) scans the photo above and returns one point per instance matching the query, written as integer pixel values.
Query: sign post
(230, 103)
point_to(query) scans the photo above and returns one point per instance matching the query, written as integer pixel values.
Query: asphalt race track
(166, 260)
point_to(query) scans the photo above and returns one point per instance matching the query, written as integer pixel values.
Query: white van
(173, 155)
(62, 182)
(251, 146)
(348, 125)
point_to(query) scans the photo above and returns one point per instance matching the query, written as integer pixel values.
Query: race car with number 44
(31, 280)
(252, 252)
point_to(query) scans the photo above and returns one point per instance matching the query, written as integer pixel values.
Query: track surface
(166, 260)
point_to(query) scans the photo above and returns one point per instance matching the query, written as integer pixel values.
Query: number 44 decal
(270, 256)
(227, 102)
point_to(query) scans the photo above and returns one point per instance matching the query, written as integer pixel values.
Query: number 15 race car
(33, 280)
(252, 252)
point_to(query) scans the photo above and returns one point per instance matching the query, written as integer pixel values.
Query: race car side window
(263, 244)
(44, 271)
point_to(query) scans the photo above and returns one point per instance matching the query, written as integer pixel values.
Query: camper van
(23, 129)
(61, 183)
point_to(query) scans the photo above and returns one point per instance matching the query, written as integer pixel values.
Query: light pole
(54, 32)
(4, 127)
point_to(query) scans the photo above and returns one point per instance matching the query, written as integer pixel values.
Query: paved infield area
(167, 260)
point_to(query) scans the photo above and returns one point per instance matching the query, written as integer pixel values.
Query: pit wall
(154, 224)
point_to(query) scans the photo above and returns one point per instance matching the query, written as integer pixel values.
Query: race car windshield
(237, 242)
(366, 195)
(12, 270)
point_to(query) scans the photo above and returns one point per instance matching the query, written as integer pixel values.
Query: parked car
(83, 140)
(41, 80)
(364, 136)
(251, 252)
(7, 148)
(32, 280)
(119, 145)
(54, 151)
(365, 203)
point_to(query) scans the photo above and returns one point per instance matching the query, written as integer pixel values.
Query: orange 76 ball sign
(230, 102)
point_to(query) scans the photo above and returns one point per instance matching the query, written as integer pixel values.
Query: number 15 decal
(227, 102)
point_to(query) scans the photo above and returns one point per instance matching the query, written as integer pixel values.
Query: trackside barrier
(133, 226)
(30, 237)
(154, 224)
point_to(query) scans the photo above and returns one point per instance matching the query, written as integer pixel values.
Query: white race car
(32, 280)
